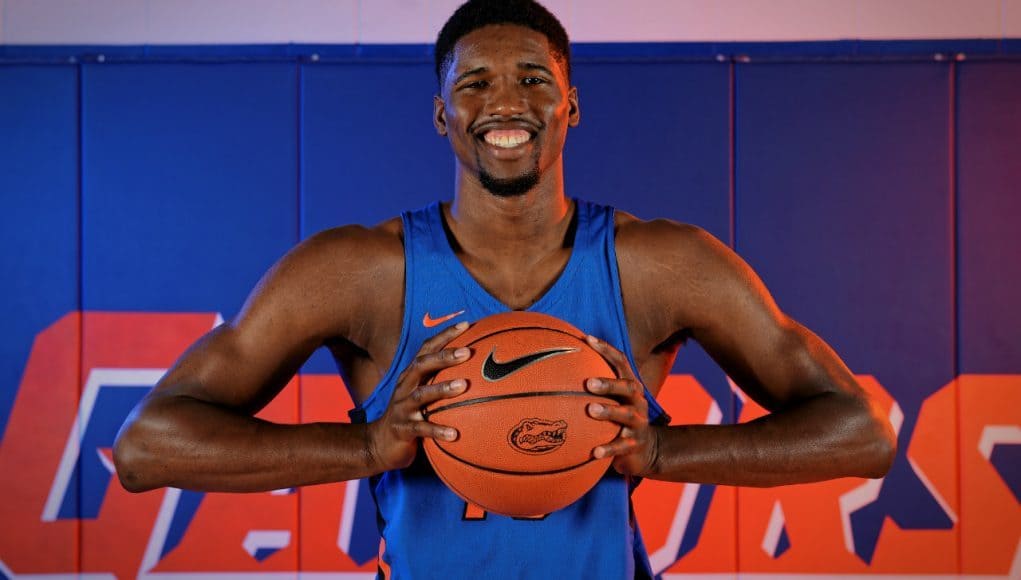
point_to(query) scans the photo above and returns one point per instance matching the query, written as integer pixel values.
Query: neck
(509, 217)
(493, 227)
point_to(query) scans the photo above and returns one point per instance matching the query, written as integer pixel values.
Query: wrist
(655, 447)
(369, 454)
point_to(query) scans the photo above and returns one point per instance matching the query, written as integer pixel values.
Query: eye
(476, 84)
(533, 81)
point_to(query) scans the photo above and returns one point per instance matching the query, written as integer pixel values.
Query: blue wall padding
(369, 147)
(989, 213)
(190, 178)
(843, 207)
(654, 139)
(39, 217)
(856, 49)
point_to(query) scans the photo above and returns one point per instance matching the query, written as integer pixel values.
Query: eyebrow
(469, 73)
(521, 66)
(534, 66)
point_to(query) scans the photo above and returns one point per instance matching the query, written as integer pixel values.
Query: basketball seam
(479, 400)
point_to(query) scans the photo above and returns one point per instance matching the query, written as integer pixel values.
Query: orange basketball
(525, 437)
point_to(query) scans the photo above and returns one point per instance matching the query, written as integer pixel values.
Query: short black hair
(475, 14)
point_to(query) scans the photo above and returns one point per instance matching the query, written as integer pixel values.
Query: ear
(440, 115)
(574, 115)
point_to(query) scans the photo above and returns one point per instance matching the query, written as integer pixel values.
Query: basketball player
(386, 300)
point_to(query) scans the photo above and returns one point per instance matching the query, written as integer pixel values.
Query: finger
(625, 415)
(441, 338)
(425, 365)
(434, 343)
(628, 389)
(430, 430)
(616, 358)
(617, 447)
(425, 395)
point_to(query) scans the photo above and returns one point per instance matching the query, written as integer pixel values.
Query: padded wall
(989, 181)
(844, 210)
(39, 224)
(188, 184)
(189, 175)
(989, 266)
(39, 266)
(877, 200)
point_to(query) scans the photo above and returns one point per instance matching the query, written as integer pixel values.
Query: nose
(506, 99)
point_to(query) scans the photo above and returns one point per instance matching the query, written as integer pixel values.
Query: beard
(510, 187)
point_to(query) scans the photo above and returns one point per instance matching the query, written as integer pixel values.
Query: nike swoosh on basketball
(493, 371)
(429, 322)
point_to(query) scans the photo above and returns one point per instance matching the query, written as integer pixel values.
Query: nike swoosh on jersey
(429, 322)
(494, 371)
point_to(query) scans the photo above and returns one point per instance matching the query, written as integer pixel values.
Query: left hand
(634, 451)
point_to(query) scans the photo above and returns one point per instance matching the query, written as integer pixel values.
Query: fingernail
(592, 340)
(596, 385)
(449, 434)
(461, 325)
(462, 353)
(598, 452)
(596, 409)
(458, 385)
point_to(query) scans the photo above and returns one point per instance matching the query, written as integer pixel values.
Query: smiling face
(505, 107)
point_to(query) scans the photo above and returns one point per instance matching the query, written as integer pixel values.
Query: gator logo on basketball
(538, 436)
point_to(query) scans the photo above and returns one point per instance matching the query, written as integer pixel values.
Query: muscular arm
(822, 427)
(185, 434)
(821, 424)
(196, 429)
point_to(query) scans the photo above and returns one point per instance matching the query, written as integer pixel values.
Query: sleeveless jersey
(429, 532)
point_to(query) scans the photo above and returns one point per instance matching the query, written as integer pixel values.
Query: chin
(511, 186)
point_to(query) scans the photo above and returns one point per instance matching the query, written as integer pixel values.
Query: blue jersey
(429, 532)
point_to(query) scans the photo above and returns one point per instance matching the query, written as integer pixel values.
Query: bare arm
(821, 423)
(822, 427)
(196, 429)
(187, 434)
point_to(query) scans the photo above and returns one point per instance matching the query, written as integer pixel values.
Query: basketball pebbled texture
(525, 437)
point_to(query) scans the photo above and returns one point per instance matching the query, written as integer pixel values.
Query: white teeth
(507, 140)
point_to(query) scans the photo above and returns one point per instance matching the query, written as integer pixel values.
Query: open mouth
(506, 138)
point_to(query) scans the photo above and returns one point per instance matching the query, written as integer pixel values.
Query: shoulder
(681, 271)
(384, 237)
(333, 277)
(351, 251)
(667, 242)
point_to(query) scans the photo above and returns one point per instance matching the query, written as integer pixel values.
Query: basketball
(525, 438)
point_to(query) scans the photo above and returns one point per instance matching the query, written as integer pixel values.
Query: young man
(511, 239)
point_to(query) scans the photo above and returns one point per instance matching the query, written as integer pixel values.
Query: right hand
(393, 438)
